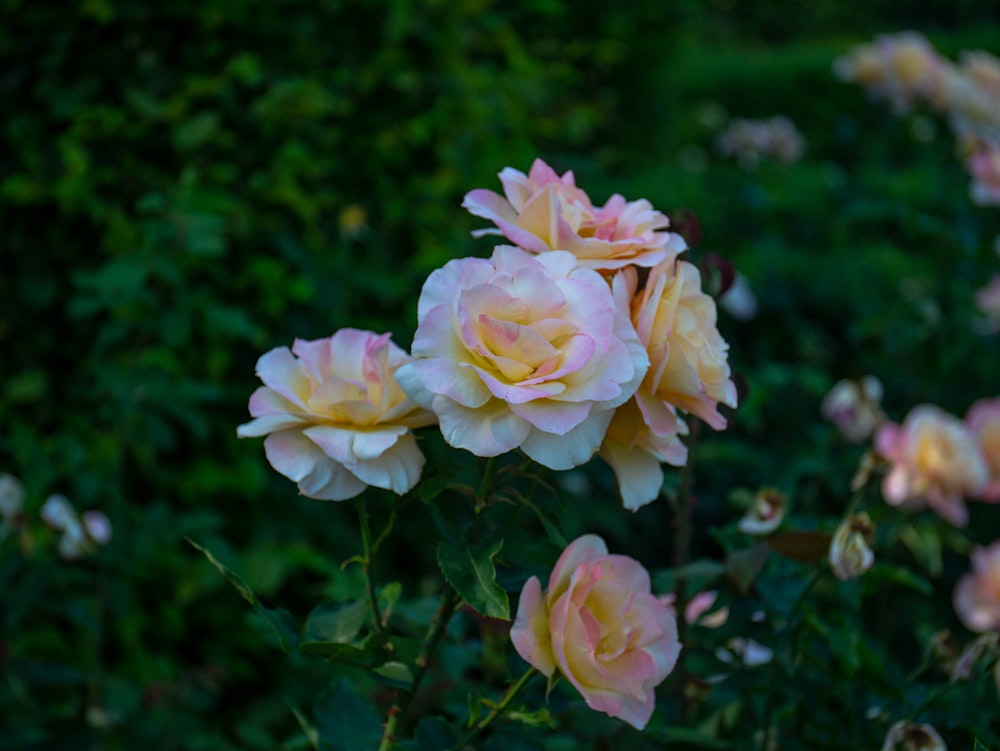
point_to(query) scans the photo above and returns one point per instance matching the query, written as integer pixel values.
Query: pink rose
(984, 167)
(689, 370)
(936, 462)
(543, 211)
(522, 351)
(601, 627)
(903, 68)
(335, 418)
(983, 420)
(977, 594)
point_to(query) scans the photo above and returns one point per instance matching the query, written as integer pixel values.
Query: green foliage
(185, 186)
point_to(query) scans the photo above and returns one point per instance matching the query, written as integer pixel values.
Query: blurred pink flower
(984, 167)
(523, 351)
(853, 406)
(977, 594)
(751, 141)
(697, 609)
(335, 418)
(544, 211)
(988, 303)
(935, 461)
(601, 627)
(983, 420)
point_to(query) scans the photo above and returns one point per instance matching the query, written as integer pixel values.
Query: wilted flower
(983, 420)
(544, 211)
(935, 461)
(850, 550)
(910, 736)
(78, 535)
(599, 625)
(977, 594)
(978, 654)
(853, 405)
(902, 68)
(751, 141)
(523, 351)
(335, 418)
(984, 167)
(765, 514)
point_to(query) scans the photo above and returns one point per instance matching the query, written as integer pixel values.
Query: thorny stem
(792, 631)
(498, 709)
(682, 552)
(366, 542)
(435, 632)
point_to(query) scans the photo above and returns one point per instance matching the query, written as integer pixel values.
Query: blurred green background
(185, 185)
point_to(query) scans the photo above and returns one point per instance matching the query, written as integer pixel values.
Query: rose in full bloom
(544, 211)
(853, 406)
(983, 420)
(689, 360)
(935, 461)
(689, 370)
(335, 418)
(977, 594)
(850, 551)
(523, 351)
(599, 625)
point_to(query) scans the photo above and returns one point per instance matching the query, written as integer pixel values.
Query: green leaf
(801, 546)
(743, 566)
(281, 620)
(899, 575)
(346, 721)
(394, 674)
(336, 622)
(980, 746)
(471, 572)
(924, 542)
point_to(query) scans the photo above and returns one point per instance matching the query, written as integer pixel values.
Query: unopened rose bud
(850, 551)
(766, 513)
(910, 736)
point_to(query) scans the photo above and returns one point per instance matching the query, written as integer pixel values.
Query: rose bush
(544, 211)
(522, 351)
(335, 418)
(600, 626)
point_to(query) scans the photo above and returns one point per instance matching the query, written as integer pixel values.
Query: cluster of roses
(906, 70)
(752, 141)
(586, 335)
(935, 460)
